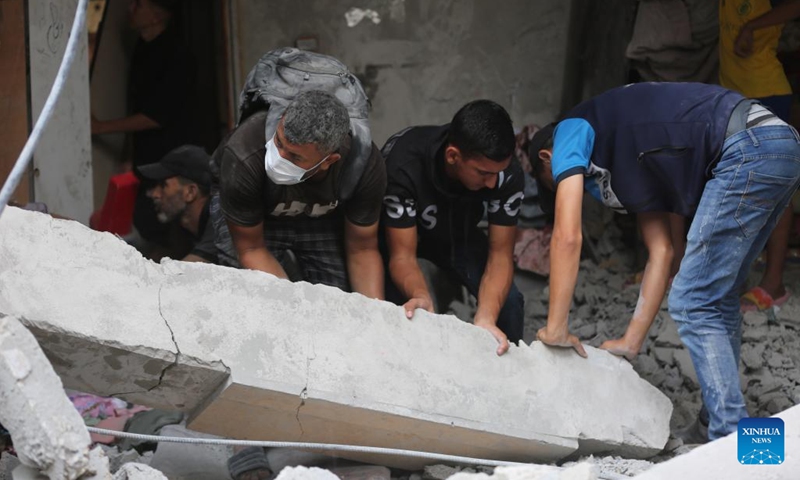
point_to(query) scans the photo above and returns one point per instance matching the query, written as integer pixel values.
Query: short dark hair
(483, 127)
(542, 140)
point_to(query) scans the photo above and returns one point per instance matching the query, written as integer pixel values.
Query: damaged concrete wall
(62, 161)
(48, 432)
(59, 448)
(310, 363)
(87, 335)
(425, 59)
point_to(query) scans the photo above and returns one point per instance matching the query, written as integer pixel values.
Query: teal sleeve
(573, 141)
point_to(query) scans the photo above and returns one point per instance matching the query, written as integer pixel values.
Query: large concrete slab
(720, 459)
(95, 312)
(312, 363)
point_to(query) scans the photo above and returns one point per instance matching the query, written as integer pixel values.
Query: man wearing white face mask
(283, 194)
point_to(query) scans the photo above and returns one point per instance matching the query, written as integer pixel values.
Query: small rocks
(669, 336)
(684, 362)
(754, 319)
(605, 299)
(664, 355)
(753, 356)
(778, 404)
(438, 472)
(755, 334)
(535, 308)
(586, 331)
(645, 365)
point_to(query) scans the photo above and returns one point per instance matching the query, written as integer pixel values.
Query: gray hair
(316, 117)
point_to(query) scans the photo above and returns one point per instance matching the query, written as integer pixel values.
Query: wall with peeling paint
(423, 59)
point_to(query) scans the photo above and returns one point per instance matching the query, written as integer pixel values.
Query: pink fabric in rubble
(104, 412)
(532, 250)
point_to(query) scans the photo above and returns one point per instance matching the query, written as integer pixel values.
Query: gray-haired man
(281, 194)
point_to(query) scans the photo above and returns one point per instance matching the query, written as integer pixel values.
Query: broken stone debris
(362, 472)
(615, 467)
(154, 371)
(310, 363)
(306, 473)
(439, 472)
(48, 433)
(770, 352)
(581, 471)
(185, 461)
(59, 449)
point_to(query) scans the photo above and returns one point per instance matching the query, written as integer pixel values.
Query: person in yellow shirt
(748, 42)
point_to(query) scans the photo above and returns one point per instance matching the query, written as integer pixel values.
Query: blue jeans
(757, 174)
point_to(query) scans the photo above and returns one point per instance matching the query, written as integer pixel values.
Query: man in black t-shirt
(181, 194)
(440, 181)
(283, 194)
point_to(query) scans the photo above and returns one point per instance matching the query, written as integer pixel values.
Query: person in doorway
(749, 35)
(281, 194)
(181, 194)
(684, 148)
(439, 179)
(160, 96)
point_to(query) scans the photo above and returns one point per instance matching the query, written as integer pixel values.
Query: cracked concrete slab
(96, 313)
(312, 363)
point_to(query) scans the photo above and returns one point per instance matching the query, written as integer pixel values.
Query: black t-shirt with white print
(419, 193)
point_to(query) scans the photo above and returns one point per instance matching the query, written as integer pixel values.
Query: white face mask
(282, 171)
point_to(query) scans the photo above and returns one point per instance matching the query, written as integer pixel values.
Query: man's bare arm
(252, 251)
(404, 269)
(655, 228)
(364, 262)
(496, 282)
(565, 256)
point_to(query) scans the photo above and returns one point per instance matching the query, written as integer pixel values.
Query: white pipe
(21, 165)
(307, 446)
(330, 447)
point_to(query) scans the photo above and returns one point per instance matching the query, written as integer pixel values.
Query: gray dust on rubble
(605, 298)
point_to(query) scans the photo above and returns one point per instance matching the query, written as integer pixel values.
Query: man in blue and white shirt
(658, 148)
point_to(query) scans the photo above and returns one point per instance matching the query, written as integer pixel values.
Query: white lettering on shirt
(297, 208)
(428, 219)
(395, 208)
(511, 209)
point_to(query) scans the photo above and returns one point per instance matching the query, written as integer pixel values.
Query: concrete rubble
(305, 473)
(250, 356)
(58, 449)
(152, 374)
(49, 435)
(581, 471)
(615, 467)
(606, 298)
